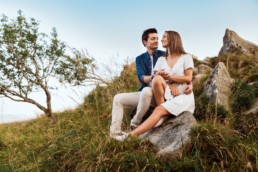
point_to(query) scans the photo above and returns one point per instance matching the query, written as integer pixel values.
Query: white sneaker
(113, 135)
(121, 137)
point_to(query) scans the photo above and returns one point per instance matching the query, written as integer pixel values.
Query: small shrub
(246, 124)
(101, 98)
(201, 106)
(207, 111)
(242, 97)
(222, 112)
(198, 87)
(2, 145)
(255, 88)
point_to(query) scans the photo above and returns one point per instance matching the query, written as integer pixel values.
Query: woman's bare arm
(187, 78)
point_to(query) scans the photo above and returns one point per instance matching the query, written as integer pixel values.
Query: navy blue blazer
(143, 65)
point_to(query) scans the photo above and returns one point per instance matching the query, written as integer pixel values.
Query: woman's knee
(160, 111)
(158, 80)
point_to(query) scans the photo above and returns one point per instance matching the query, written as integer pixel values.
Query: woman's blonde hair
(175, 44)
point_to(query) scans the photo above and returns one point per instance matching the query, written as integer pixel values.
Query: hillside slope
(78, 140)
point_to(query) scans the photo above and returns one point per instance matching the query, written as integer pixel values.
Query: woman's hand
(163, 73)
(174, 90)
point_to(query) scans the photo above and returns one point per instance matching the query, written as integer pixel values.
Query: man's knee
(147, 92)
(118, 98)
(127, 99)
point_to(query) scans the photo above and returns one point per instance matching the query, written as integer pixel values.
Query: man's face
(152, 41)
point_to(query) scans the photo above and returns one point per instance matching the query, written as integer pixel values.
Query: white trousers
(142, 100)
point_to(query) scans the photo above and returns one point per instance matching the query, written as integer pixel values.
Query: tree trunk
(49, 107)
(47, 111)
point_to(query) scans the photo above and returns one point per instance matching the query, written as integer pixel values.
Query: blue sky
(111, 30)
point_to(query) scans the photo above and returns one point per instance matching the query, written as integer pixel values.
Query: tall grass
(222, 149)
(242, 97)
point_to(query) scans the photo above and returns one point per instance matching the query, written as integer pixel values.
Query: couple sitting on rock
(166, 85)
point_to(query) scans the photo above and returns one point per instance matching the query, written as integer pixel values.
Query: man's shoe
(121, 137)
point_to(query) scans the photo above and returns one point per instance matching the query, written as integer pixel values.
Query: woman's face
(164, 40)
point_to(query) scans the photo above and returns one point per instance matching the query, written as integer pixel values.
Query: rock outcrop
(203, 69)
(218, 85)
(232, 43)
(172, 134)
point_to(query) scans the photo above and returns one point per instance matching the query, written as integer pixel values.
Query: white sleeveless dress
(177, 105)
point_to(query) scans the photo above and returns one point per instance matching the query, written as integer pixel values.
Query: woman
(173, 72)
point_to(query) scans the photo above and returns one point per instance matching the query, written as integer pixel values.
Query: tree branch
(23, 99)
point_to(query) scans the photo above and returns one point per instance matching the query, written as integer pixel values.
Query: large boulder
(232, 43)
(172, 135)
(218, 85)
(203, 69)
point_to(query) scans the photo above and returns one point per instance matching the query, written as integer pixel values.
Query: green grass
(78, 140)
(242, 96)
(75, 142)
(222, 148)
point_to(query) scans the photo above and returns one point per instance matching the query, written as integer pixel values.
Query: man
(142, 99)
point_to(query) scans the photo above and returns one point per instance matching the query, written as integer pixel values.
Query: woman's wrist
(170, 78)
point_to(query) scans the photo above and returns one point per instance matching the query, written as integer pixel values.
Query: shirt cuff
(142, 78)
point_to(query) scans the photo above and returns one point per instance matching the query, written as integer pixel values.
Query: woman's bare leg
(149, 123)
(159, 86)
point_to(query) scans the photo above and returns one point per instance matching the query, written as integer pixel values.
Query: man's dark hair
(146, 33)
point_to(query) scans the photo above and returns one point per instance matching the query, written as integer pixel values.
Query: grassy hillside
(78, 140)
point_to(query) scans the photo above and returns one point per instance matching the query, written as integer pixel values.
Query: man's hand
(188, 89)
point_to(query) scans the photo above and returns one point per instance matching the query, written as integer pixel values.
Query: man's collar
(154, 53)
